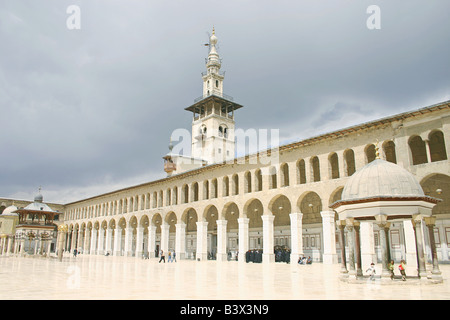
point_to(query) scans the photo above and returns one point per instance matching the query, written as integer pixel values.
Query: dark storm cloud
(89, 111)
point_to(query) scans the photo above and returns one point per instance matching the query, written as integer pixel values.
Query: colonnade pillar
(93, 241)
(202, 240)
(165, 238)
(108, 248)
(435, 273)
(243, 238)
(180, 240)
(101, 241)
(139, 242)
(417, 222)
(329, 237)
(118, 241)
(296, 236)
(268, 255)
(151, 241)
(221, 240)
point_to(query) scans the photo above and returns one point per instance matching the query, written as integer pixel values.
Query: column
(356, 226)
(128, 240)
(367, 245)
(93, 241)
(87, 238)
(417, 222)
(118, 241)
(151, 241)
(329, 237)
(341, 226)
(410, 244)
(427, 146)
(139, 240)
(243, 238)
(101, 240)
(384, 242)
(351, 249)
(202, 240)
(435, 273)
(108, 240)
(165, 238)
(180, 240)
(221, 240)
(268, 255)
(296, 236)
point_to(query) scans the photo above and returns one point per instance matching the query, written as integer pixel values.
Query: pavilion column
(417, 221)
(243, 238)
(435, 273)
(151, 241)
(108, 240)
(180, 240)
(384, 231)
(128, 241)
(268, 255)
(202, 240)
(93, 241)
(410, 244)
(117, 241)
(296, 236)
(87, 238)
(344, 271)
(101, 240)
(165, 238)
(329, 237)
(367, 244)
(221, 240)
(139, 242)
(351, 249)
(356, 226)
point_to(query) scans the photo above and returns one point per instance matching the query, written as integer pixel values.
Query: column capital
(243, 220)
(327, 214)
(268, 217)
(221, 222)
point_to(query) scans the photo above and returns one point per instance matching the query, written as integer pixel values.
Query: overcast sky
(88, 111)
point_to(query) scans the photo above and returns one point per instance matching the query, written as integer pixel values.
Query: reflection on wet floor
(100, 277)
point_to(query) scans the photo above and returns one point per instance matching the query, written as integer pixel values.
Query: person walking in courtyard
(174, 257)
(169, 259)
(371, 271)
(162, 257)
(391, 269)
(401, 267)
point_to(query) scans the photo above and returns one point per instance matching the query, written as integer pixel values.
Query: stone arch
(349, 162)
(171, 219)
(210, 215)
(301, 171)
(310, 204)
(284, 175)
(247, 182)
(370, 153)
(333, 165)
(389, 151)
(336, 195)
(437, 146)
(230, 212)
(418, 150)
(185, 193)
(235, 183)
(190, 218)
(253, 210)
(226, 186)
(280, 206)
(157, 221)
(315, 169)
(437, 185)
(273, 177)
(258, 180)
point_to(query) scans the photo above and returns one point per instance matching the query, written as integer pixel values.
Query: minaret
(213, 78)
(213, 122)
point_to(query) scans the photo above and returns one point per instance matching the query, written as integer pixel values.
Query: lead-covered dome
(381, 178)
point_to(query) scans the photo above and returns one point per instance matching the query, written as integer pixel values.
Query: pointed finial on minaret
(214, 31)
(170, 144)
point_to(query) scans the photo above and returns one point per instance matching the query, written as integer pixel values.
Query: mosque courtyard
(102, 278)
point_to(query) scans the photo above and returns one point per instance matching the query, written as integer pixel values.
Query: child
(371, 271)
(401, 267)
(391, 269)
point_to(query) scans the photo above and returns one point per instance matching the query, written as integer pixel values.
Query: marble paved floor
(100, 277)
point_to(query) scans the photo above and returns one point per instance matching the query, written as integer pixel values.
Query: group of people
(172, 257)
(282, 255)
(391, 267)
(304, 260)
(254, 256)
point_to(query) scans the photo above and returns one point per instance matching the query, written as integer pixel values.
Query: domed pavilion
(381, 193)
